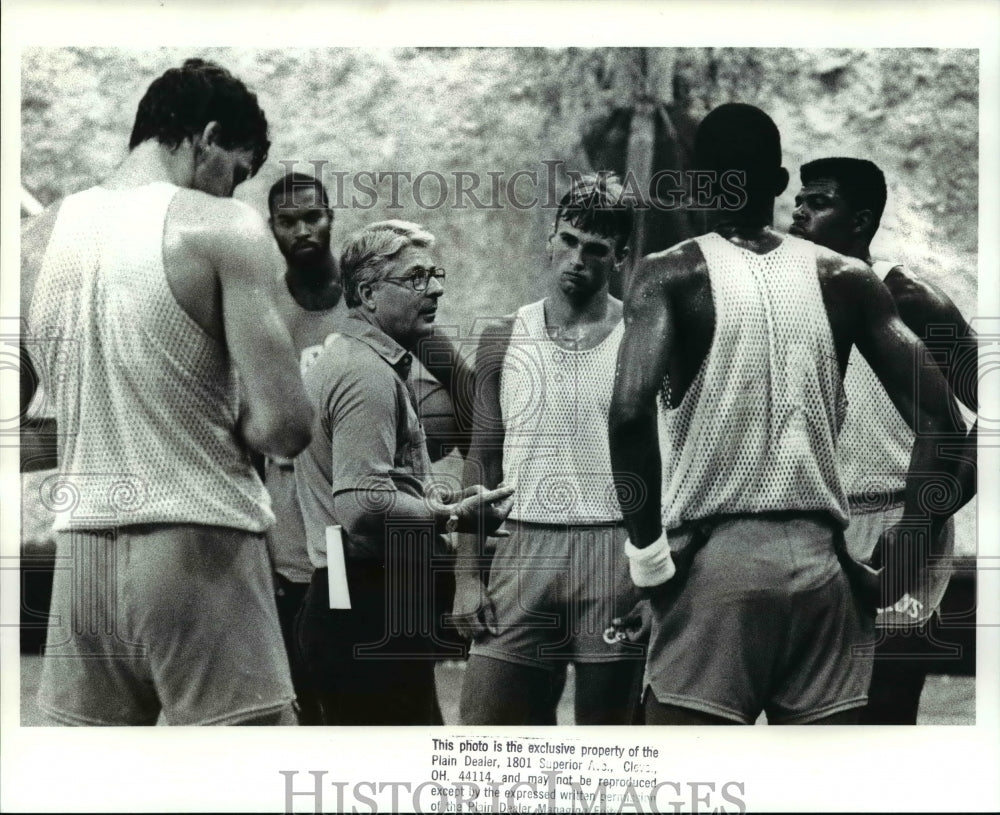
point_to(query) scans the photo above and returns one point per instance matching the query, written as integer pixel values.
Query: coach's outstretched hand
(481, 512)
(479, 509)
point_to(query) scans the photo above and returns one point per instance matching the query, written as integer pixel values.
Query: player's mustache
(307, 243)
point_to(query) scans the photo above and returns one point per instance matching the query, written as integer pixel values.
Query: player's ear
(863, 220)
(211, 133)
(208, 137)
(366, 292)
(199, 147)
(780, 181)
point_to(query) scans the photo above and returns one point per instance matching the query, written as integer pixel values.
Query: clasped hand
(477, 508)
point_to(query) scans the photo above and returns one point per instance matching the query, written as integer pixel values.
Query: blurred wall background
(914, 112)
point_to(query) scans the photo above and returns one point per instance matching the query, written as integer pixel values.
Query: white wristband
(651, 565)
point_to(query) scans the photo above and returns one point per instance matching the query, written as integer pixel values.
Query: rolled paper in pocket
(340, 595)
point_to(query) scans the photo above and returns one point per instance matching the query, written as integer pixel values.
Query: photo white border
(234, 769)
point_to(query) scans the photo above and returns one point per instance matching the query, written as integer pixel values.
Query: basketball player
(839, 207)
(544, 390)
(736, 342)
(311, 306)
(156, 335)
(371, 656)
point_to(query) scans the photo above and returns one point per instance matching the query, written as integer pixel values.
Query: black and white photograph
(472, 391)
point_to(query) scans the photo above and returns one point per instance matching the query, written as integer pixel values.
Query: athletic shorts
(918, 606)
(179, 619)
(764, 620)
(556, 590)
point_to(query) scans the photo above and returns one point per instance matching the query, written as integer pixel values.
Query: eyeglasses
(420, 277)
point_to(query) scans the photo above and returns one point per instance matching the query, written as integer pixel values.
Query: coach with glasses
(371, 656)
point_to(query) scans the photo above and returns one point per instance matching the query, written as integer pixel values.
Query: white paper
(340, 595)
(241, 769)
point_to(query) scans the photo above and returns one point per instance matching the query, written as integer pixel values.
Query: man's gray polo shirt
(366, 434)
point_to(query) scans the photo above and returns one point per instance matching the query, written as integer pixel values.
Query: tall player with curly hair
(153, 326)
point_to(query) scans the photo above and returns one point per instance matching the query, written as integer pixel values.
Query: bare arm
(444, 362)
(930, 314)
(485, 460)
(483, 464)
(920, 393)
(632, 432)
(951, 341)
(277, 417)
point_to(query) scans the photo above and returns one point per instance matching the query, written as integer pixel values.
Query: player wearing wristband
(367, 471)
(160, 290)
(728, 401)
(651, 566)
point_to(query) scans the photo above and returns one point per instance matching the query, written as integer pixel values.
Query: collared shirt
(367, 436)
(286, 540)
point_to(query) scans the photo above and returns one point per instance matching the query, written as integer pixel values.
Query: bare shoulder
(211, 224)
(844, 273)
(677, 262)
(616, 310)
(494, 338)
(910, 290)
(678, 272)
(220, 232)
(496, 330)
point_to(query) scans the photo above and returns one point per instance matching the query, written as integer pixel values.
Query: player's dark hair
(179, 104)
(859, 181)
(736, 136)
(596, 202)
(286, 187)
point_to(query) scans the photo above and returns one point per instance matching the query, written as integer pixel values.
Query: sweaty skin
(221, 264)
(670, 318)
(826, 217)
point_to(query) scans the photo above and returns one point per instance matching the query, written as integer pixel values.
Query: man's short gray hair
(368, 253)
